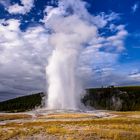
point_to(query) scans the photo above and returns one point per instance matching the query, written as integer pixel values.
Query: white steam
(69, 34)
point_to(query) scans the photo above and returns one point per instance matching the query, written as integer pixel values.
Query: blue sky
(129, 17)
(115, 61)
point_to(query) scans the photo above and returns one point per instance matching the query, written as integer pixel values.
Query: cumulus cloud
(135, 7)
(25, 8)
(24, 55)
(99, 50)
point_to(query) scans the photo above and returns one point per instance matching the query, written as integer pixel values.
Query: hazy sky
(112, 58)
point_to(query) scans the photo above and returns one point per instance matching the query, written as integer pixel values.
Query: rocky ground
(71, 125)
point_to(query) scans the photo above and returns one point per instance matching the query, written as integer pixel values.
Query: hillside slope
(111, 98)
(21, 104)
(114, 98)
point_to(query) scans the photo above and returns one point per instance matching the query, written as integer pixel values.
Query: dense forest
(114, 98)
(110, 98)
(21, 104)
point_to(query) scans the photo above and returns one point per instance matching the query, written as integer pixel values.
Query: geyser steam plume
(69, 32)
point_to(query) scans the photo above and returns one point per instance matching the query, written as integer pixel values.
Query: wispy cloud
(27, 5)
(5, 3)
(17, 47)
(24, 55)
(135, 7)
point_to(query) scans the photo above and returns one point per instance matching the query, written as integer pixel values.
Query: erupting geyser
(69, 32)
(62, 79)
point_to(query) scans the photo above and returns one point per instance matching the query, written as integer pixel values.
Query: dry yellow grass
(127, 113)
(14, 116)
(119, 128)
(67, 116)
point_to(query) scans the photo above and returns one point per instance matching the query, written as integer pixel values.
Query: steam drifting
(69, 32)
(26, 42)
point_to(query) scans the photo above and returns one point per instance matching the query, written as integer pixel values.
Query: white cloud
(5, 3)
(24, 55)
(135, 7)
(118, 39)
(92, 57)
(135, 77)
(18, 9)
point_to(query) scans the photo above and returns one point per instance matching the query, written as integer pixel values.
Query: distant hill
(114, 98)
(110, 98)
(21, 104)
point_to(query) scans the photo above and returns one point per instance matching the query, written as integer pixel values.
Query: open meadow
(97, 125)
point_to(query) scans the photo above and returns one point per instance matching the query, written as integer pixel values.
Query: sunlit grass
(67, 116)
(126, 113)
(4, 117)
(121, 127)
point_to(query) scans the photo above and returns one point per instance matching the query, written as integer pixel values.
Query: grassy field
(13, 117)
(122, 126)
